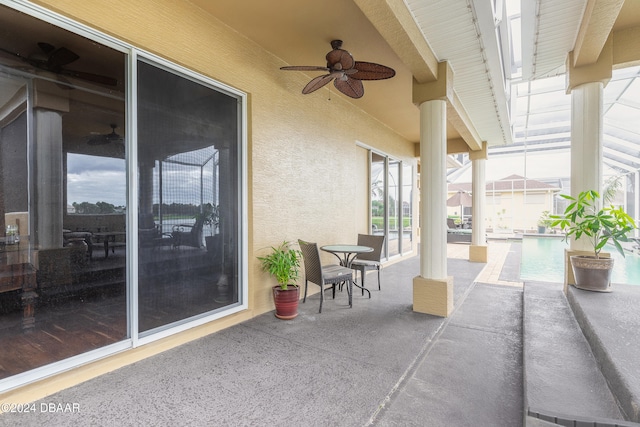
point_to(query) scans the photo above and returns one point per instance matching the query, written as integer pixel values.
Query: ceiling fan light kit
(107, 138)
(347, 74)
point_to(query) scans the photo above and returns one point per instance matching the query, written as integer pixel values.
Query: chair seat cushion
(365, 263)
(334, 272)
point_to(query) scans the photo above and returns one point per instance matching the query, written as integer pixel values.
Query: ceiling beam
(457, 116)
(397, 26)
(626, 47)
(460, 120)
(619, 155)
(597, 24)
(619, 165)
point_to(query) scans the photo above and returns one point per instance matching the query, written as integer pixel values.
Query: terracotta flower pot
(591, 273)
(286, 301)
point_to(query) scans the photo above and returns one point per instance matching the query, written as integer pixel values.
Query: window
(536, 199)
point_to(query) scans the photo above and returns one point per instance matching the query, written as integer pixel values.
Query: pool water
(543, 260)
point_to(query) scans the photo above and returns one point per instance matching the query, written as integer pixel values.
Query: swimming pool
(543, 260)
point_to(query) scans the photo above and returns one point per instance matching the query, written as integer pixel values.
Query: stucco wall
(512, 211)
(305, 171)
(507, 211)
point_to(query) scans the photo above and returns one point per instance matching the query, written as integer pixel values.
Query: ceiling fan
(347, 74)
(54, 60)
(106, 138)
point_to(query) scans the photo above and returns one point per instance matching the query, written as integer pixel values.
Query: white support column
(50, 104)
(433, 290)
(586, 83)
(586, 143)
(49, 202)
(433, 153)
(478, 251)
(586, 156)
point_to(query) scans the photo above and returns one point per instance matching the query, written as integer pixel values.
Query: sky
(103, 179)
(96, 179)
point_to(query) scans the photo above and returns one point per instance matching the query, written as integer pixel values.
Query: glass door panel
(378, 192)
(393, 208)
(391, 204)
(188, 172)
(407, 209)
(62, 184)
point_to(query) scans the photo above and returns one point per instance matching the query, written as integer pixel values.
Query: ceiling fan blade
(317, 83)
(46, 47)
(304, 68)
(372, 71)
(56, 60)
(61, 56)
(350, 87)
(95, 78)
(347, 72)
(105, 139)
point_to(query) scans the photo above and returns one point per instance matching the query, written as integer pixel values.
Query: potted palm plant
(583, 219)
(209, 216)
(544, 222)
(283, 263)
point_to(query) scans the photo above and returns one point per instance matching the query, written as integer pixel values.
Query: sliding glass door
(391, 203)
(188, 168)
(78, 190)
(62, 194)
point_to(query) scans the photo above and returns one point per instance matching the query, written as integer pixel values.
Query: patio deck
(378, 363)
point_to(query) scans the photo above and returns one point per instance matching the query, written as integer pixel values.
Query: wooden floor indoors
(70, 324)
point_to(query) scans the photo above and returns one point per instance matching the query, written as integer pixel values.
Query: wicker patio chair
(369, 260)
(323, 275)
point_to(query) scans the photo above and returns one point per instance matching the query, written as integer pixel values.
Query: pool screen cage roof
(542, 119)
(187, 180)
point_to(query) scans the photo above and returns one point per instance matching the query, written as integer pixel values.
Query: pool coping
(611, 324)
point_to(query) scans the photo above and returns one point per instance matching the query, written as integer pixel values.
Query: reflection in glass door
(62, 197)
(407, 208)
(393, 206)
(378, 192)
(66, 249)
(188, 222)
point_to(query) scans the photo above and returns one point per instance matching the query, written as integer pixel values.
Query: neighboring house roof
(509, 183)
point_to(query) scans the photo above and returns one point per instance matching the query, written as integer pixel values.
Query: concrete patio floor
(378, 363)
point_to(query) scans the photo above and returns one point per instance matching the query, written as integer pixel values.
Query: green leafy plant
(545, 219)
(582, 218)
(283, 263)
(209, 215)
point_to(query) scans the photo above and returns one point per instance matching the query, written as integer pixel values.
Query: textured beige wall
(362, 190)
(306, 173)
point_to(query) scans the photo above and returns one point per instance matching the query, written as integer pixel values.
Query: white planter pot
(591, 273)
